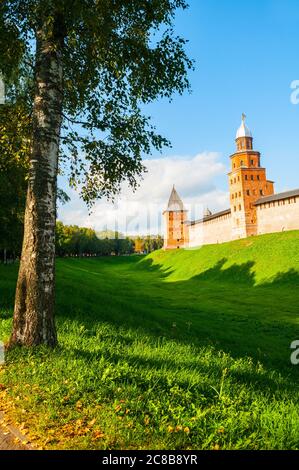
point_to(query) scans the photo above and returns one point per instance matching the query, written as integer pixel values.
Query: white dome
(243, 130)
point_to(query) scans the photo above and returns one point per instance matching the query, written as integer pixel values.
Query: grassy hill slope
(257, 260)
(184, 349)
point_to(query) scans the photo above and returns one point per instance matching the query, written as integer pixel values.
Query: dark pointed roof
(175, 203)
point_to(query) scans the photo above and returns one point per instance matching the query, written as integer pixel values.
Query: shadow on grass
(240, 273)
(221, 307)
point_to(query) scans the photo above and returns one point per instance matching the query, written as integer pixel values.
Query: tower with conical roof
(175, 217)
(247, 183)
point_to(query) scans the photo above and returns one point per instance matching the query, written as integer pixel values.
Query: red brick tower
(247, 183)
(175, 216)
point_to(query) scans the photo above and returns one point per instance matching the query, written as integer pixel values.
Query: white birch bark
(34, 305)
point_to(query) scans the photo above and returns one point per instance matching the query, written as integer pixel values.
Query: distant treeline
(72, 240)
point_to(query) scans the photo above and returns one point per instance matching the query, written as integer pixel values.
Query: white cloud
(141, 212)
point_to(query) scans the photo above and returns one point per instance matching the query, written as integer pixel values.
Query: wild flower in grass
(186, 430)
(146, 420)
(170, 429)
(220, 391)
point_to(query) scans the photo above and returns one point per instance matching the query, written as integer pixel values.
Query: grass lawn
(176, 350)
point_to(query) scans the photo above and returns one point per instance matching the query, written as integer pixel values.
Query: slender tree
(94, 64)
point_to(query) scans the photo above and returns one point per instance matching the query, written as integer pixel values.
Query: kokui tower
(175, 216)
(247, 183)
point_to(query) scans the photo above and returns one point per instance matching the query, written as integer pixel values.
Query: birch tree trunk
(33, 322)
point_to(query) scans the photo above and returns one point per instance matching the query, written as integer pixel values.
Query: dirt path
(10, 437)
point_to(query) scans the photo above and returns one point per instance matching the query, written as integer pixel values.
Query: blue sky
(246, 57)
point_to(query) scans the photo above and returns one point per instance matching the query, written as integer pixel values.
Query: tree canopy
(117, 56)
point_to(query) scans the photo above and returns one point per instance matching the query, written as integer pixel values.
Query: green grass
(176, 350)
